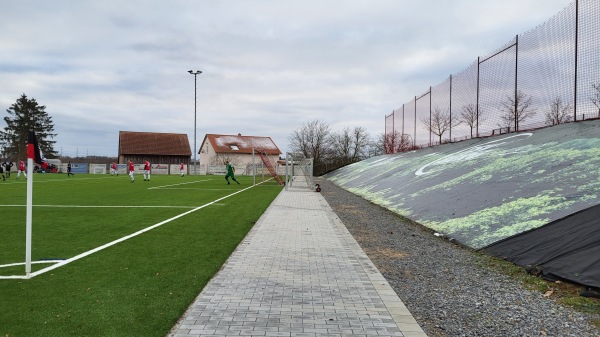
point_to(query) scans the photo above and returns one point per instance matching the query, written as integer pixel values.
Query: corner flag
(33, 149)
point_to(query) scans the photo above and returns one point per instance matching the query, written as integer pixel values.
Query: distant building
(158, 148)
(217, 149)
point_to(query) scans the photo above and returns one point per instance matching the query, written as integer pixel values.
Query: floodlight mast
(195, 73)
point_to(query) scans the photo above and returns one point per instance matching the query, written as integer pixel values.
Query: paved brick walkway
(299, 272)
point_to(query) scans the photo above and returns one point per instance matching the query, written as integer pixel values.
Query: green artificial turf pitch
(138, 287)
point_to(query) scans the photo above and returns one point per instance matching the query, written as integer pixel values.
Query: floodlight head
(191, 72)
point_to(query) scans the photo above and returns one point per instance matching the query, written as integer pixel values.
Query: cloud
(268, 66)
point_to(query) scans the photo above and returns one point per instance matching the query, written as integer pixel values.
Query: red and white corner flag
(33, 155)
(33, 149)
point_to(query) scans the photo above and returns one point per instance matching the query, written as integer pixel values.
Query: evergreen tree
(23, 116)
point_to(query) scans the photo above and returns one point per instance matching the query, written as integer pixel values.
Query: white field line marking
(112, 243)
(32, 262)
(13, 182)
(23, 180)
(67, 179)
(98, 206)
(197, 189)
(189, 182)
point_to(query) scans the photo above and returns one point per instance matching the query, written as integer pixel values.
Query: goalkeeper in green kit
(230, 171)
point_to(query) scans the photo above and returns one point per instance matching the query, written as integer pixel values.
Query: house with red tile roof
(237, 149)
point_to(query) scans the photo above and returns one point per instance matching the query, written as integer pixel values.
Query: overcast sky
(268, 66)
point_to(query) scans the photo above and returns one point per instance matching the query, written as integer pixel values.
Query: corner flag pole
(28, 217)
(33, 154)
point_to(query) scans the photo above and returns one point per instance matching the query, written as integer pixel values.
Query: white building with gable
(217, 149)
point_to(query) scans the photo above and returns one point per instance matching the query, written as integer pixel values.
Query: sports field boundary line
(101, 206)
(185, 183)
(114, 242)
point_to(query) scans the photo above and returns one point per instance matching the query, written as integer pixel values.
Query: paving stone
(298, 272)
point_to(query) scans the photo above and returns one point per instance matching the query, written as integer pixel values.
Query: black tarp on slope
(568, 248)
(482, 191)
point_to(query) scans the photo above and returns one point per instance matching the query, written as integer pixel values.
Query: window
(234, 147)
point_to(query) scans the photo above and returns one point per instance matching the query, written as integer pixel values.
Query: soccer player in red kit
(131, 169)
(146, 170)
(21, 169)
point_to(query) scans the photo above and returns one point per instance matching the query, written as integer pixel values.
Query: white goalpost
(298, 172)
(97, 169)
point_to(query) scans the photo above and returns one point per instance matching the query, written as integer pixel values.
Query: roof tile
(244, 144)
(153, 143)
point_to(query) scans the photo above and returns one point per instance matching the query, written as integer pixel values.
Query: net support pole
(287, 162)
(29, 217)
(253, 168)
(576, 50)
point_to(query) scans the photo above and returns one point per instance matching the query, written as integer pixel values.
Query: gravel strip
(446, 287)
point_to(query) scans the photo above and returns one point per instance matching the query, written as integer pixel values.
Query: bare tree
(361, 139)
(396, 142)
(596, 96)
(377, 146)
(311, 140)
(470, 116)
(559, 112)
(341, 144)
(350, 145)
(516, 109)
(439, 122)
